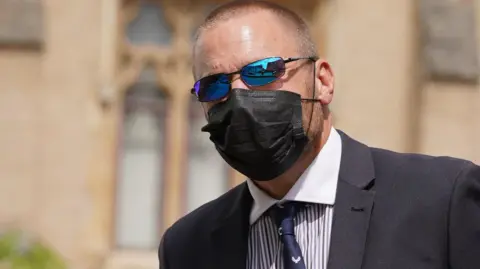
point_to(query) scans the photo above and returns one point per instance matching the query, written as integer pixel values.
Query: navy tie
(283, 215)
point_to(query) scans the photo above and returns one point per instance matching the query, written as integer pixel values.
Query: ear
(324, 81)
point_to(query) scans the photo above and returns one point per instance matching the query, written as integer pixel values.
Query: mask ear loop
(313, 100)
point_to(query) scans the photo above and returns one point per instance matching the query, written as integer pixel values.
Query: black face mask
(259, 133)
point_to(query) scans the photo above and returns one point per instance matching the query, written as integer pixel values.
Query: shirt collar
(318, 184)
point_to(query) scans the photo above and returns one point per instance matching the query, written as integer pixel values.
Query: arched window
(139, 188)
(208, 175)
(159, 181)
(139, 183)
(149, 26)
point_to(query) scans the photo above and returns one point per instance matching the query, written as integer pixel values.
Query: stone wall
(59, 112)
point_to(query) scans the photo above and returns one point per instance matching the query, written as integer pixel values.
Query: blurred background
(100, 140)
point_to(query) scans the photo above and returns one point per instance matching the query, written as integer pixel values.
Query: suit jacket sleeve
(464, 220)
(161, 252)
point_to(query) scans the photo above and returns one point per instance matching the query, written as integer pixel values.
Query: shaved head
(236, 37)
(295, 26)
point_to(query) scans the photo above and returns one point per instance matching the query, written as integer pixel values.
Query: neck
(277, 188)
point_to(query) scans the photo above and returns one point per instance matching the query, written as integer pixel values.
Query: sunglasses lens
(212, 88)
(263, 72)
(259, 73)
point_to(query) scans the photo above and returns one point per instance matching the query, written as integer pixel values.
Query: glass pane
(207, 172)
(139, 186)
(149, 27)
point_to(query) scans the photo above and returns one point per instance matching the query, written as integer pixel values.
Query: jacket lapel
(353, 206)
(230, 236)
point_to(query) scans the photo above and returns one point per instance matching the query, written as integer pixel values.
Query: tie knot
(283, 214)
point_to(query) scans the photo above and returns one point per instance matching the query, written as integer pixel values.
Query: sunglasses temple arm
(292, 59)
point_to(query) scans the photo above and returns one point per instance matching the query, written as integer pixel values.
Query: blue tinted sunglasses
(256, 74)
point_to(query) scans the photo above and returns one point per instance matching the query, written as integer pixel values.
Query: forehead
(231, 44)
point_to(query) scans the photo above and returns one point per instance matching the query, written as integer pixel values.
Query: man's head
(241, 32)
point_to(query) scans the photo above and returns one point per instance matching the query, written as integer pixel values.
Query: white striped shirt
(312, 229)
(317, 187)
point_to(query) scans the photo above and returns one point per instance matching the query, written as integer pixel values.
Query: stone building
(100, 140)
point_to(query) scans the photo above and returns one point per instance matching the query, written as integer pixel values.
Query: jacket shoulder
(199, 222)
(418, 163)
(437, 173)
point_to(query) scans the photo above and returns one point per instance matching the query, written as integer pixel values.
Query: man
(315, 198)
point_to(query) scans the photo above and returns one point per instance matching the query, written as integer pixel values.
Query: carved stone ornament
(448, 36)
(172, 60)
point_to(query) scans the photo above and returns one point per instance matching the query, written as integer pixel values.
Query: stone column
(70, 67)
(371, 49)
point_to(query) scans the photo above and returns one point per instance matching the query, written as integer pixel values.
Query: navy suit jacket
(392, 211)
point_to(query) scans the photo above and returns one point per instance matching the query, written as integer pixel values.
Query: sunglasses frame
(285, 61)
